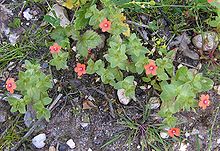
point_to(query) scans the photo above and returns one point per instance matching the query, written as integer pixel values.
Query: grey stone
(3, 116)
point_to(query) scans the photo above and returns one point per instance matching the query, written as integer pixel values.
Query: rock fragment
(71, 143)
(38, 141)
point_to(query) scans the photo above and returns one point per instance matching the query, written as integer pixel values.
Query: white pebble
(218, 141)
(84, 124)
(164, 135)
(38, 140)
(187, 134)
(122, 98)
(183, 147)
(71, 143)
(194, 131)
(89, 149)
(13, 38)
(27, 14)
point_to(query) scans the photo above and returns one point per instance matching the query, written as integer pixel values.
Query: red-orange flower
(174, 131)
(55, 48)
(209, 1)
(10, 85)
(105, 25)
(204, 101)
(151, 68)
(80, 69)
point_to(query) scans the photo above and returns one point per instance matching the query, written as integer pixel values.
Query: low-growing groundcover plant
(123, 58)
(33, 85)
(125, 53)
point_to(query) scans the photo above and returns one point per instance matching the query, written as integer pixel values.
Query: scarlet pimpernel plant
(124, 53)
(33, 85)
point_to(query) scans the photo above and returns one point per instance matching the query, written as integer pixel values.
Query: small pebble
(187, 134)
(71, 143)
(63, 147)
(84, 124)
(27, 14)
(35, 12)
(183, 147)
(218, 141)
(29, 117)
(11, 65)
(122, 98)
(164, 135)
(89, 149)
(55, 81)
(74, 48)
(194, 131)
(13, 38)
(154, 102)
(45, 65)
(3, 116)
(149, 86)
(38, 140)
(52, 148)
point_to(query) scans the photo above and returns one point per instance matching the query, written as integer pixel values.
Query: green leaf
(129, 79)
(146, 79)
(33, 93)
(47, 100)
(170, 121)
(206, 83)
(21, 107)
(60, 60)
(47, 115)
(12, 101)
(44, 83)
(72, 32)
(13, 109)
(88, 40)
(81, 21)
(201, 83)
(16, 23)
(117, 73)
(95, 16)
(130, 66)
(168, 92)
(59, 34)
(161, 74)
(139, 63)
(43, 112)
(134, 47)
(153, 25)
(99, 66)
(183, 74)
(107, 77)
(128, 85)
(55, 22)
(155, 85)
(116, 55)
(90, 67)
